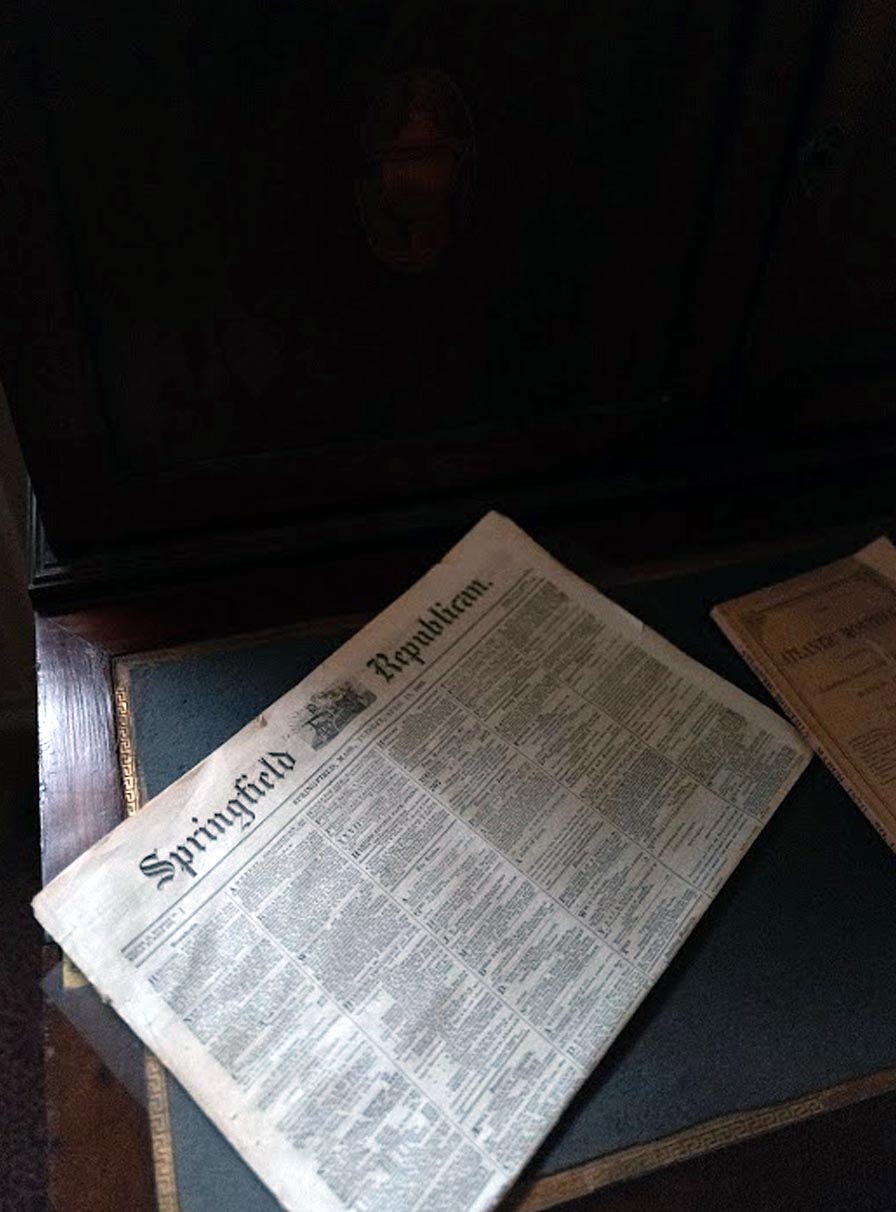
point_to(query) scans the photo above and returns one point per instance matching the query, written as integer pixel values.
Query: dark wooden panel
(821, 353)
(240, 353)
(774, 61)
(208, 177)
(44, 357)
(357, 563)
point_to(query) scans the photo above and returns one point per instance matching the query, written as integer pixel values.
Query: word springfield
(241, 808)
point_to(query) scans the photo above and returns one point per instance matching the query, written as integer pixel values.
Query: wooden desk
(837, 1149)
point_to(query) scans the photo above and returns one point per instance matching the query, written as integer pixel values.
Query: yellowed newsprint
(383, 934)
(825, 645)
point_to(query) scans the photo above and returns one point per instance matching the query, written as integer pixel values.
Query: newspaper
(383, 934)
(824, 643)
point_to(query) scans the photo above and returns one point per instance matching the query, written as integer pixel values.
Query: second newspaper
(383, 934)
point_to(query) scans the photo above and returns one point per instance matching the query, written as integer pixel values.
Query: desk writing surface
(785, 987)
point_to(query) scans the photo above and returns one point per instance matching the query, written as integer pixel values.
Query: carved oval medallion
(417, 153)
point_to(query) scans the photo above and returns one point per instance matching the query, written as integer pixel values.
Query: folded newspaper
(383, 934)
(823, 643)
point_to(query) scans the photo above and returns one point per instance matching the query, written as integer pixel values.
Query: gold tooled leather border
(157, 1109)
(541, 1194)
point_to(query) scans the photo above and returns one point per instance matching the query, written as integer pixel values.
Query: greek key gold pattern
(157, 1109)
(692, 1142)
(717, 1136)
(160, 1133)
(126, 761)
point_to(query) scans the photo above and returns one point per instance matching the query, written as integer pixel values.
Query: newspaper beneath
(824, 644)
(384, 932)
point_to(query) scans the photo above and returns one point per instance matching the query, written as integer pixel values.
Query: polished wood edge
(357, 583)
(727, 469)
(91, 1118)
(158, 1115)
(98, 1151)
(156, 1083)
(714, 1134)
(325, 627)
(80, 787)
(331, 585)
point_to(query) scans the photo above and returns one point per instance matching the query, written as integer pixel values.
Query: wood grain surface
(99, 1158)
(80, 791)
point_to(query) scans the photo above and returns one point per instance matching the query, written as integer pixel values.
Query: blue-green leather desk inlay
(787, 986)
